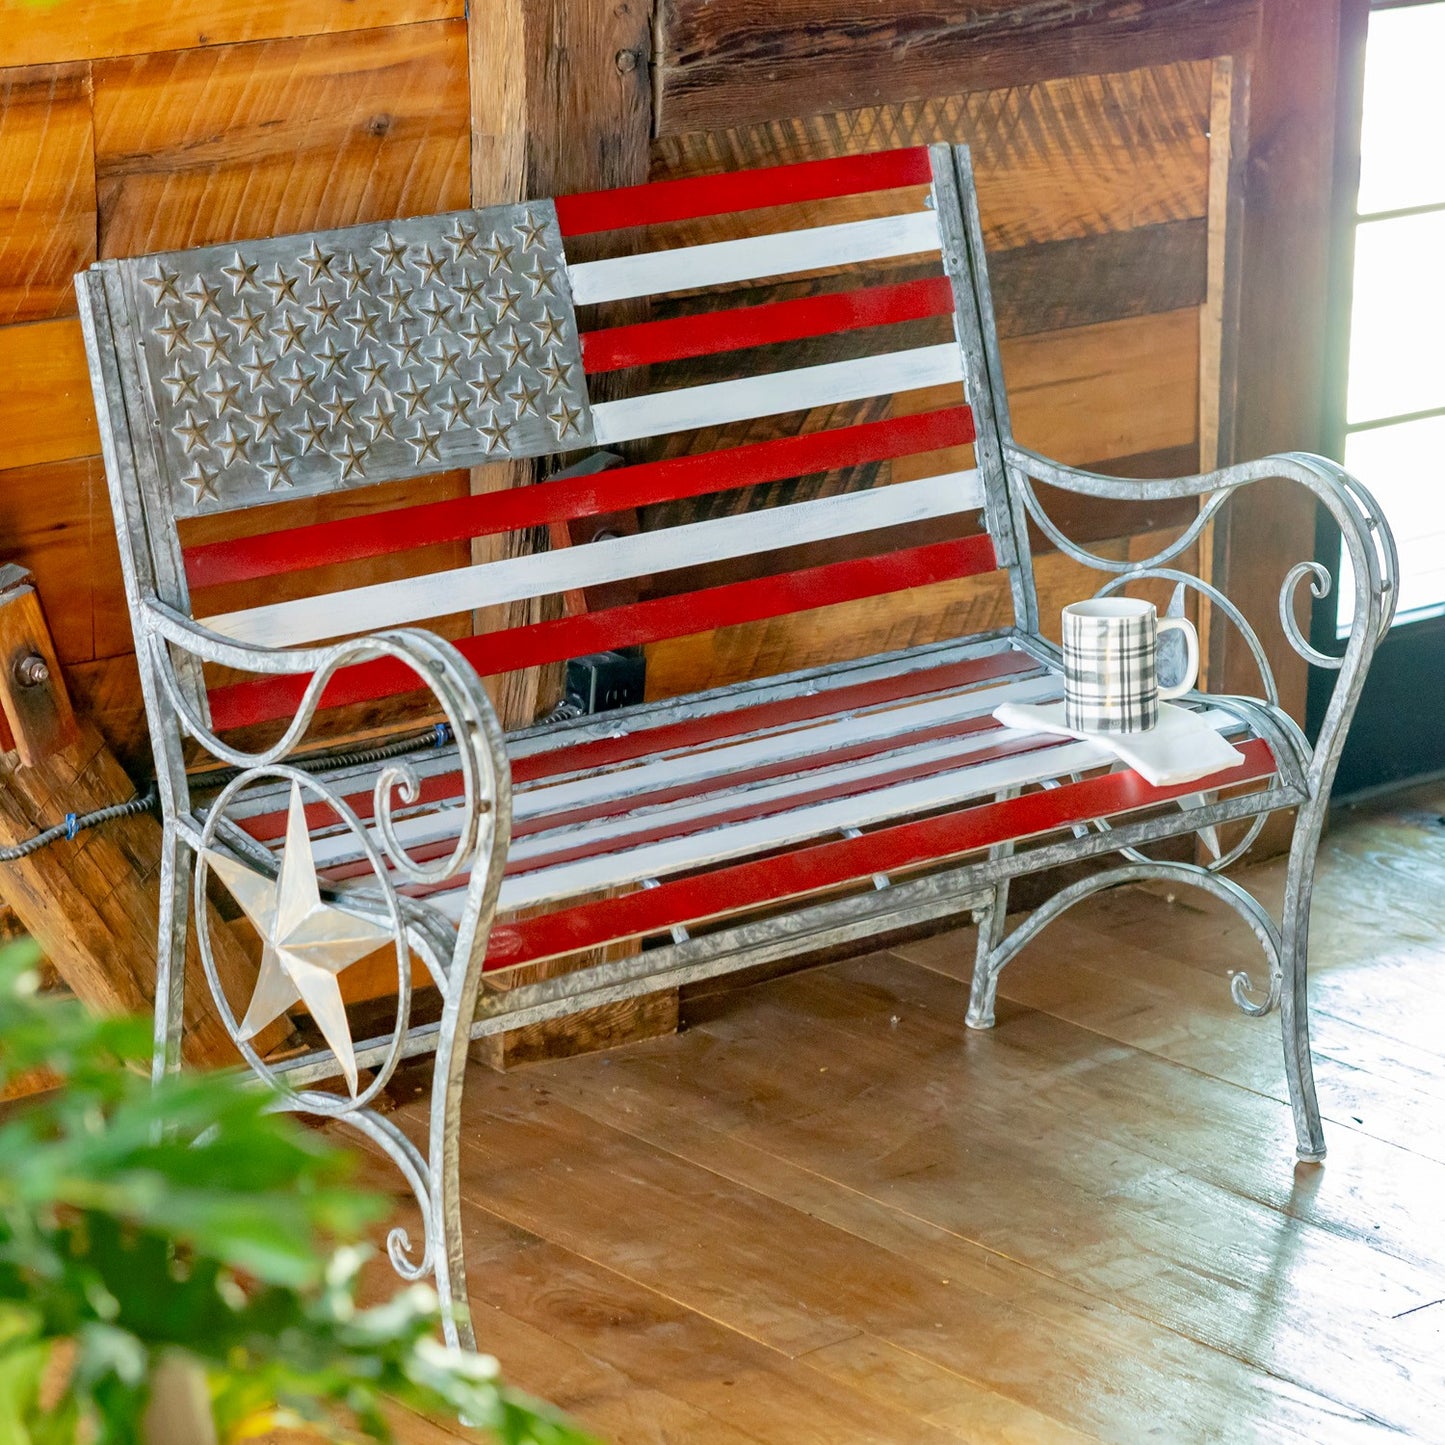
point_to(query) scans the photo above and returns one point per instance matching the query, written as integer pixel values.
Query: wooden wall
(1102, 141)
(128, 127)
(1094, 192)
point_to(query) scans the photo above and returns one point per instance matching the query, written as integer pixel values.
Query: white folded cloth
(1182, 747)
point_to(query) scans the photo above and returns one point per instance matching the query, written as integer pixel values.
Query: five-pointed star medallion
(308, 942)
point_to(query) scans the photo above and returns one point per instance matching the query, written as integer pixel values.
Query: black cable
(438, 737)
(145, 802)
(76, 822)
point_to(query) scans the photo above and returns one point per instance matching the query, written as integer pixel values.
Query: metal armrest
(1367, 538)
(485, 812)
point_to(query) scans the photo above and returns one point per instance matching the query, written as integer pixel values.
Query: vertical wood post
(561, 101)
(1283, 333)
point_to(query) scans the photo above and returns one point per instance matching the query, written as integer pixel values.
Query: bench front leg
(992, 922)
(212, 840)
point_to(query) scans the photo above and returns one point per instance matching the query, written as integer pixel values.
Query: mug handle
(1191, 667)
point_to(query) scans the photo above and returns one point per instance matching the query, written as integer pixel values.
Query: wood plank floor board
(1122, 1371)
(776, 1261)
(1151, 1001)
(699, 1361)
(1131, 1228)
(827, 1212)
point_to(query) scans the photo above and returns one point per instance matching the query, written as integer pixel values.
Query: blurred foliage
(140, 1222)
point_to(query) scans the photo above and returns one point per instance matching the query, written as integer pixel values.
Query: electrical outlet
(603, 681)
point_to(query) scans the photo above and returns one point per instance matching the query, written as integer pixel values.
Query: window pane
(1404, 466)
(1404, 114)
(1397, 322)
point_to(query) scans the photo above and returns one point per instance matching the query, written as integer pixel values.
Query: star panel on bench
(309, 364)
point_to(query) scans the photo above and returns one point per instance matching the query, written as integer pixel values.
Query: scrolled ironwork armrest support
(440, 670)
(1366, 536)
(454, 959)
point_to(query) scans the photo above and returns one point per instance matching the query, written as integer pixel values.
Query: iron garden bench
(689, 836)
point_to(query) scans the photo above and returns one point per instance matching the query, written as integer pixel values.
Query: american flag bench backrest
(262, 372)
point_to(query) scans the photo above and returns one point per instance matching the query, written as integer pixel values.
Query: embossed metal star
(308, 942)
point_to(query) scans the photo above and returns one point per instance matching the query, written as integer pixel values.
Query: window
(1395, 403)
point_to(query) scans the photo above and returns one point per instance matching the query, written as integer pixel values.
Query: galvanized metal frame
(171, 648)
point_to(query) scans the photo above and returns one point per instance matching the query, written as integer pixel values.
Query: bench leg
(444, 1150)
(990, 919)
(1294, 992)
(174, 922)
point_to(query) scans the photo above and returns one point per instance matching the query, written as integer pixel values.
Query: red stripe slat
(642, 741)
(349, 539)
(265, 699)
(825, 865)
(751, 190)
(693, 732)
(746, 808)
(743, 326)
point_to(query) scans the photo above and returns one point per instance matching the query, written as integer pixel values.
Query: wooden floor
(827, 1212)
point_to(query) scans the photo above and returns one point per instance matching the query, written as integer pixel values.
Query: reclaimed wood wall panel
(52, 518)
(1055, 159)
(47, 189)
(1059, 285)
(199, 146)
(1094, 195)
(748, 60)
(1112, 390)
(46, 412)
(32, 34)
(126, 127)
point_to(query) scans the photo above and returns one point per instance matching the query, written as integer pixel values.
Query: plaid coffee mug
(1111, 664)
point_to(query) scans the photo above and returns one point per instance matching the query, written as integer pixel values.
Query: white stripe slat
(735, 700)
(702, 768)
(737, 840)
(772, 393)
(718, 263)
(413, 599)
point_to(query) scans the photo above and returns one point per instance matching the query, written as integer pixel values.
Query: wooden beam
(37, 717)
(1287, 202)
(759, 60)
(560, 102)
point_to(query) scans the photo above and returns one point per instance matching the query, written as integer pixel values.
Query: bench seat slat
(722, 891)
(241, 704)
(751, 258)
(684, 821)
(730, 823)
(688, 775)
(867, 798)
(653, 731)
